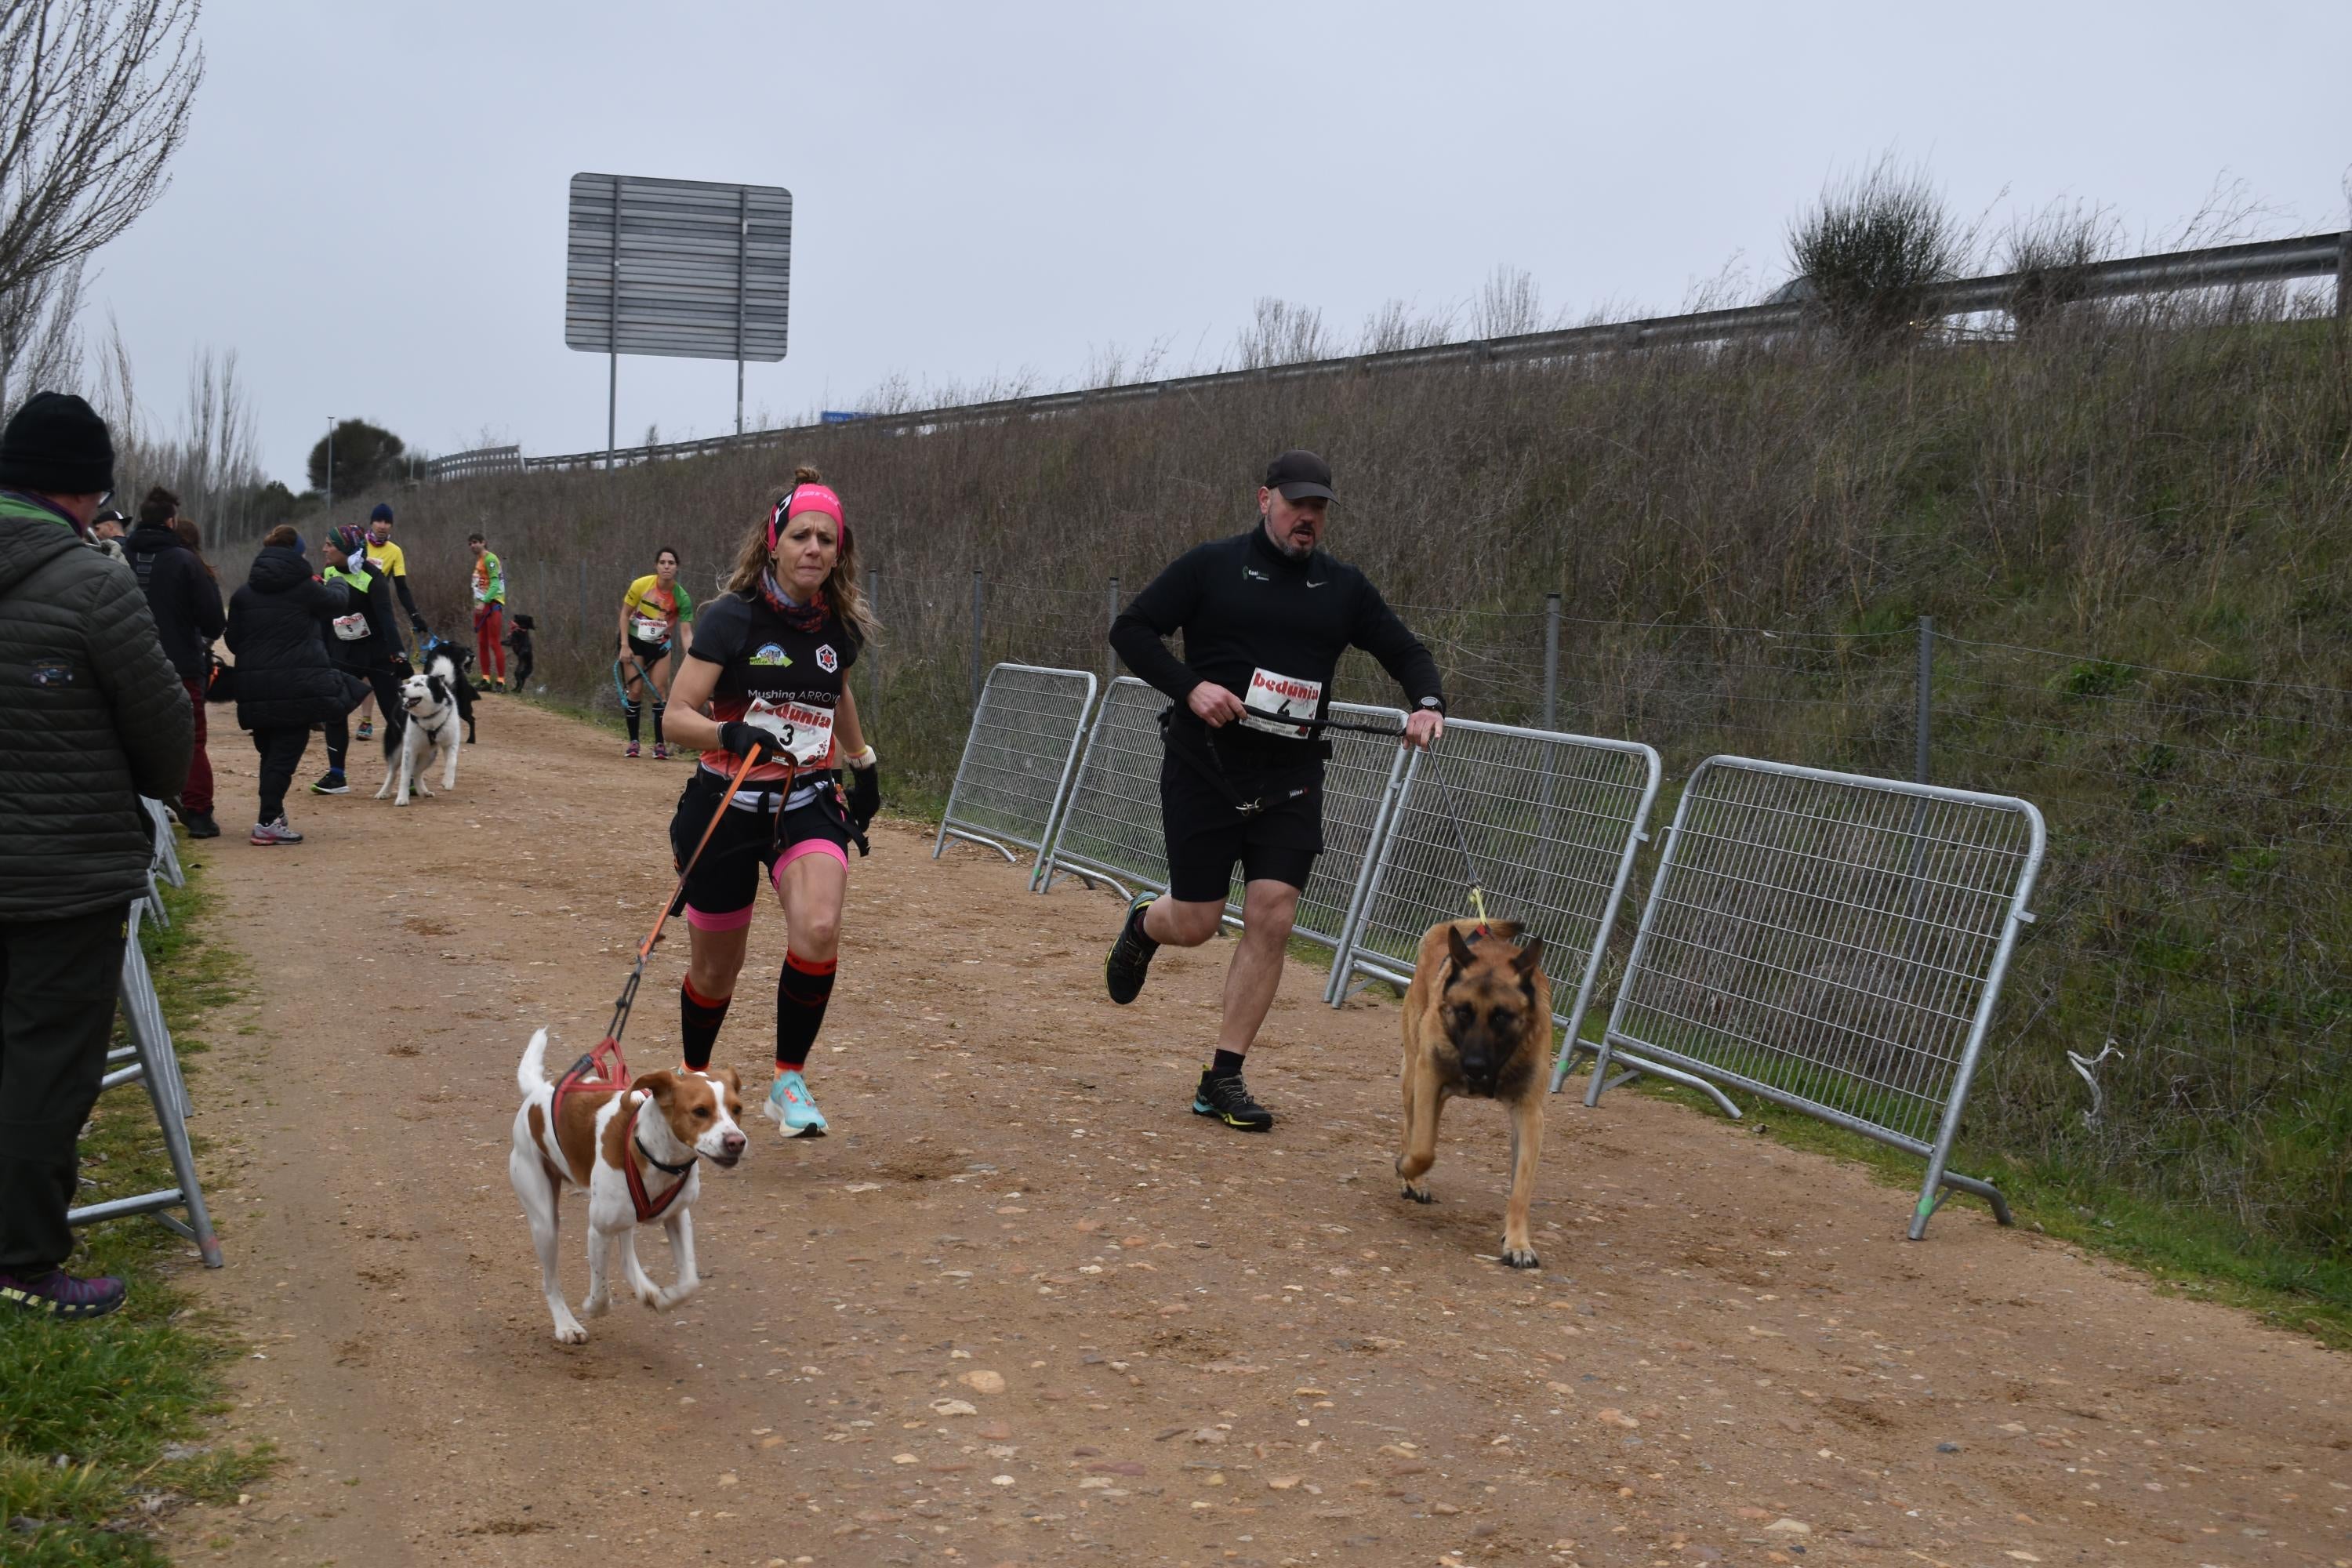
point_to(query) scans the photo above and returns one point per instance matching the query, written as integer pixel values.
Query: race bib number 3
(1281, 704)
(804, 733)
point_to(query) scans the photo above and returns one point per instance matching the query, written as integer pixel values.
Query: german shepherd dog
(1478, 1022)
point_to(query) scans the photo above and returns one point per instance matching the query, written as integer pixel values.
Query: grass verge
(103, 1426)
(2187, 1251)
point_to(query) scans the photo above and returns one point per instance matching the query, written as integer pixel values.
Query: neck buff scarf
(808, 617)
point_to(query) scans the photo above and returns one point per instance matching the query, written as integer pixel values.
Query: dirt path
(1021, 1308)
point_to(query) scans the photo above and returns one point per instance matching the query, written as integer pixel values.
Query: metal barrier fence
(1110, 824)
(1025, 730)
(151, 1059)
(1552, 822)
(1833, 943)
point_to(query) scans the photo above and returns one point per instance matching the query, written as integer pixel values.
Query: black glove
(416, 624)
(746, 740)
(865, 795)
(400, 664)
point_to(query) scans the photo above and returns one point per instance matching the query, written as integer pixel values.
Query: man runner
(1265, 615)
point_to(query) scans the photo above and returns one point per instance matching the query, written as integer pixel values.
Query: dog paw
(1419, 1194)
(570, 1334)
(1520, 1257)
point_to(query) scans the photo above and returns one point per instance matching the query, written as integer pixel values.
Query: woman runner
(652, 611)
(773, 663)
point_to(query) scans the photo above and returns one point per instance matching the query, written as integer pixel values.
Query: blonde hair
(842, 589)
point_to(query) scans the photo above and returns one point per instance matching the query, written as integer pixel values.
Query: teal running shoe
(791, 1107)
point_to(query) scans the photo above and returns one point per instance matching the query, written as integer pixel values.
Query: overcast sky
(370, 207)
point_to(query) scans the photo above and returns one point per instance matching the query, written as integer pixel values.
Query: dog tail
(530, 1073)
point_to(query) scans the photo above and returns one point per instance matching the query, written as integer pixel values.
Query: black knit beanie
(56, 445)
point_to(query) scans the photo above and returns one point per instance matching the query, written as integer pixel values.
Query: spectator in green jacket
(97, 717)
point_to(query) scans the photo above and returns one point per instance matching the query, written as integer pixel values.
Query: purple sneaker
(275, 833)
(58, 1294)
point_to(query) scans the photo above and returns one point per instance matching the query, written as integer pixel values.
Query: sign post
(683, 269)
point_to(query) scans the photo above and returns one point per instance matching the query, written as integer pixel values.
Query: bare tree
(39, 345)
(1509, 305)
(94, 101)
(1395, 326)
(1283, 334)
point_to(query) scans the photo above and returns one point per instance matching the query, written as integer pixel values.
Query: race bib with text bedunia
(1281, 704)
(804, 733)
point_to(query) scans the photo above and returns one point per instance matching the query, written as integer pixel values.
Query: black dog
(517, 637)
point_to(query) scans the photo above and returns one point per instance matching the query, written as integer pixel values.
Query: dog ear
(1459, 948)
(662, 1086)
(1528, 957)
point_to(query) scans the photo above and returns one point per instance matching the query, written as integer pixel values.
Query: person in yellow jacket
(387, 560)
(656, 614)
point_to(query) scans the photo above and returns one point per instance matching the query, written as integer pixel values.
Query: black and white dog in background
(433, 713)
(459, 657)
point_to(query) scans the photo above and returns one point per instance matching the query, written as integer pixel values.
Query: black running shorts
(1206, 835)
(653, 656)
(745, 849)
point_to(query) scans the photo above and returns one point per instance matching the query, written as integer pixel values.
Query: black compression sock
(659, 707)
(699, 1021)
(629, 710)
(803, 988)
(1225, 1064)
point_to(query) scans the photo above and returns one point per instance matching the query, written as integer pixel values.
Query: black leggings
(281, 753)
(387, 699)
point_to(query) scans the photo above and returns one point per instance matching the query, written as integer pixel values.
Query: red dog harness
(605, 1071)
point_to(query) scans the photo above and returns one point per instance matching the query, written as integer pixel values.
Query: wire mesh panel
(1017, 758)
(1551, 823)
(1831, 943)
(1111, 825)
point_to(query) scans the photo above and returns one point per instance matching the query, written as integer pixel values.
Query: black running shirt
(773, 675)
(1269, 629)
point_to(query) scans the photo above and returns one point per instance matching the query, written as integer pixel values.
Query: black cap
(1299, 476)
(56, 445)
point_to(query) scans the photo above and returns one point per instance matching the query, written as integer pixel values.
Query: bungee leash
(1453, 809)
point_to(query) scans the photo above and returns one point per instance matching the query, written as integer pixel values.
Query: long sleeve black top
(1266, 627)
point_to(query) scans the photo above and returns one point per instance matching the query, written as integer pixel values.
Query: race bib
(645, 628)
(804, 733)
(351, 628)
(1281, 704)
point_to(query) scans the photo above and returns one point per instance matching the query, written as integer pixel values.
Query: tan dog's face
(703, 1110)
(1487, 1008)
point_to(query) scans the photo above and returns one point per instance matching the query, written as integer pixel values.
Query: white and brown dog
(636, 1153)
(431, 699)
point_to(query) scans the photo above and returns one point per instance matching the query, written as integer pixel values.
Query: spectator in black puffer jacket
(276, 630)
(186, 603)
(94, 718)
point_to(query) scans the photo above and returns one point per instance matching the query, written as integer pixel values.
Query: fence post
(1110, 660)
(979, 592)
(584, 604)
(1925, 709)
(2344, 276)
(872, 715)
(1551, 662)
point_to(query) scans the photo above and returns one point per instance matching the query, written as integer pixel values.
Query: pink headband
(807, 498)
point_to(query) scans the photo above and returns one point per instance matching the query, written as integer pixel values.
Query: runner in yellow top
(655, 613)
(386, 558)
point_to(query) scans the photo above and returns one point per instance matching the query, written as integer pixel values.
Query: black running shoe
(1228, 1100)
(1130, 955)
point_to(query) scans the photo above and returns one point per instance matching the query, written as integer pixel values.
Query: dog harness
(649, 1210)
(604, 1071)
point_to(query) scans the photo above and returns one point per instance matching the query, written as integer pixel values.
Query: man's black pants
(386, 687)
(58, 982)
